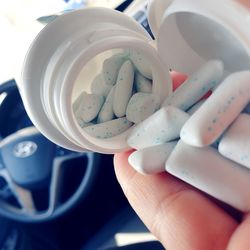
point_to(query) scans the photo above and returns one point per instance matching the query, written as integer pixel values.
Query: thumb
(178, 215)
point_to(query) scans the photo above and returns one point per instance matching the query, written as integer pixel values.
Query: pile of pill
(203, 140)
(121, 96)
(205, 143)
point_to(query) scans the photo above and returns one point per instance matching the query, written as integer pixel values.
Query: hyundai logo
(25, 149)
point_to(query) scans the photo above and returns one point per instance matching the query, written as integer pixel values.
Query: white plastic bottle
(188, 33)
(64, 59)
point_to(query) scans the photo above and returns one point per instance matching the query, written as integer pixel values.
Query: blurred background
(18, 26)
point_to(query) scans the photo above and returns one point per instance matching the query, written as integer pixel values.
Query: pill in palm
(123, 89)
(208, 171)
(235, 144)
(89, 107)
(196, 86)
(140, 62)
(142, 84)
(219, 111)
(111, 67)
(107, 113)
(151, 160)
(161, 127)
(99, 86)
(141, 106)
(109, 129)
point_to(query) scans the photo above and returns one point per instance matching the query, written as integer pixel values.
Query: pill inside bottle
(113, 91)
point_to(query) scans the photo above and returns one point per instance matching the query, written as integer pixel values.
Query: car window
(18, 27)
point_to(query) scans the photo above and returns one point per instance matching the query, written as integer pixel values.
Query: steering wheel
(30, 162)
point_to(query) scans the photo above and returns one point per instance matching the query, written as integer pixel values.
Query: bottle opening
(114, 91)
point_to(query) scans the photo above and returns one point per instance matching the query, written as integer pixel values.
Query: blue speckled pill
(109, 129)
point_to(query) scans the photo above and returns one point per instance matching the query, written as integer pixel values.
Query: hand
(180, 216)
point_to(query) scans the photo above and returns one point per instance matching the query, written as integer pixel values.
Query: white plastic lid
(156, 10)
(191, 32)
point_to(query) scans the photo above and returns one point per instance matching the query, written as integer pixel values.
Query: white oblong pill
(142, 84)
(99, 86)
(89, 107)
(109, 129)
(151, 160)
(123, 89)
(161, 127)
(207, 170)
(196, 86)
(83, 124)
(141, 63)
(107, 114)
(227, 101)
(235, 143)
(141, 106)
(77, 103)
(111, 67)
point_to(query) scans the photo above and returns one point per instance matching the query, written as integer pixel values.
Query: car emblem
(25, 149)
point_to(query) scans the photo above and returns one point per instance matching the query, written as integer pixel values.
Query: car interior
(54, 198)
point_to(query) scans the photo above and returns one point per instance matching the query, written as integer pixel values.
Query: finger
(178, 79)
(245, 3)
(178, 215)
(240, 239)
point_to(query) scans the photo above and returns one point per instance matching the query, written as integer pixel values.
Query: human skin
(245, 3)
(180, 216)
